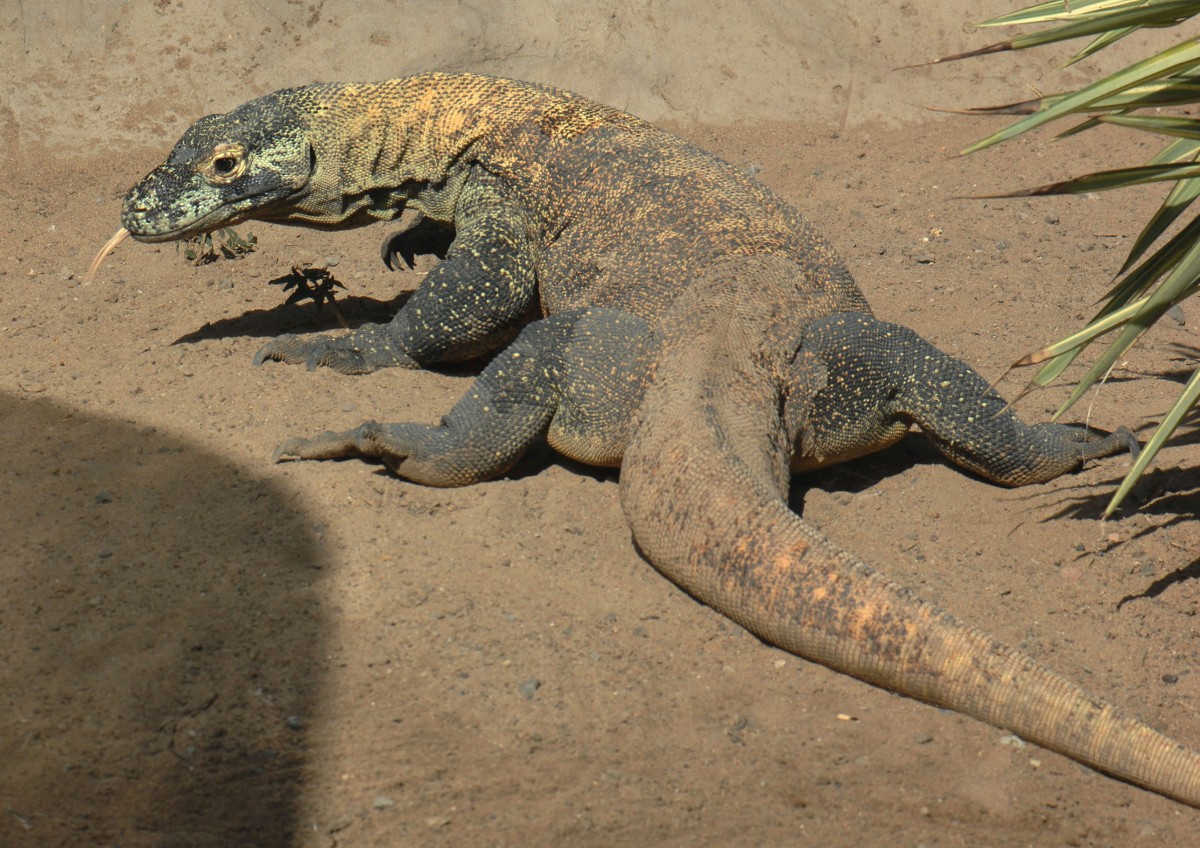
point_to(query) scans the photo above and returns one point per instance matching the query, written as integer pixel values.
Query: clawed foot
(328, 445)
(423, 237)
(363, 440)
(313, 352)
(365, 350)
(1130, 440)
(1096, 444)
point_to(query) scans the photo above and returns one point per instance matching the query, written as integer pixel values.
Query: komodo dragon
(655, 308)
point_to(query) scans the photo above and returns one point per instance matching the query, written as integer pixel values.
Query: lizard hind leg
(886, 376)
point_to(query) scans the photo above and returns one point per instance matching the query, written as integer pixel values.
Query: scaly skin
(652, 307)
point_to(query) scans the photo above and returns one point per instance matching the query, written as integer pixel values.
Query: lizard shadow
(298, 318)
(857, 475)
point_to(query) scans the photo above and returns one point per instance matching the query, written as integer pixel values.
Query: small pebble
(382, 802)
(529, 688)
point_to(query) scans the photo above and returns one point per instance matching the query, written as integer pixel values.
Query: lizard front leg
(569, 377)
(471, 302)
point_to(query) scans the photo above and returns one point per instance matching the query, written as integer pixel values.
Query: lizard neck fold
(379, 147)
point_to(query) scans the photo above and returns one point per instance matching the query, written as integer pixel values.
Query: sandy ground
(208, 650)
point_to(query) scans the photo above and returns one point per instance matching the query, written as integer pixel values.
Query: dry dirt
(208, 650)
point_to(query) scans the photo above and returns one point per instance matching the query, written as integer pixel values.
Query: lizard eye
(226, 163)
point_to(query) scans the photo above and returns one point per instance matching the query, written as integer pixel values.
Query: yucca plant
(1149, 282)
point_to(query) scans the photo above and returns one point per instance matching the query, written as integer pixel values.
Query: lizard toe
(341, 358)
(288, 348)
(329, 445)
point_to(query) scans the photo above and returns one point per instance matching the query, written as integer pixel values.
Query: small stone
(103, 498)
(1051, 218)
(382, 802)
(332, 261)
(294, 722)
(1170, 678)
(528, 688)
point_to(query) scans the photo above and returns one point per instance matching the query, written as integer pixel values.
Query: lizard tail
(703, 485)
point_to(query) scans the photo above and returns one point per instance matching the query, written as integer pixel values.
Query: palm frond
(1168, 274)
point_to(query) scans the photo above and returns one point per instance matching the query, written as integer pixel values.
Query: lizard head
(254, 162)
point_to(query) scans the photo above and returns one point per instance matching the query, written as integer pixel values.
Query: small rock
(103, 498)
(1170, 678)
(528, 688)
(332, 261)
(1051, 218)
(294, 722)
(382, 802)
(924, 259)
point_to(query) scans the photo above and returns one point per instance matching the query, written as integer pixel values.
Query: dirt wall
(108, 72)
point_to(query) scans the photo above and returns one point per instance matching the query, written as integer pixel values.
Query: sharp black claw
(393, 249)
(267, 352)
(1135, 447)
(422, 237)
